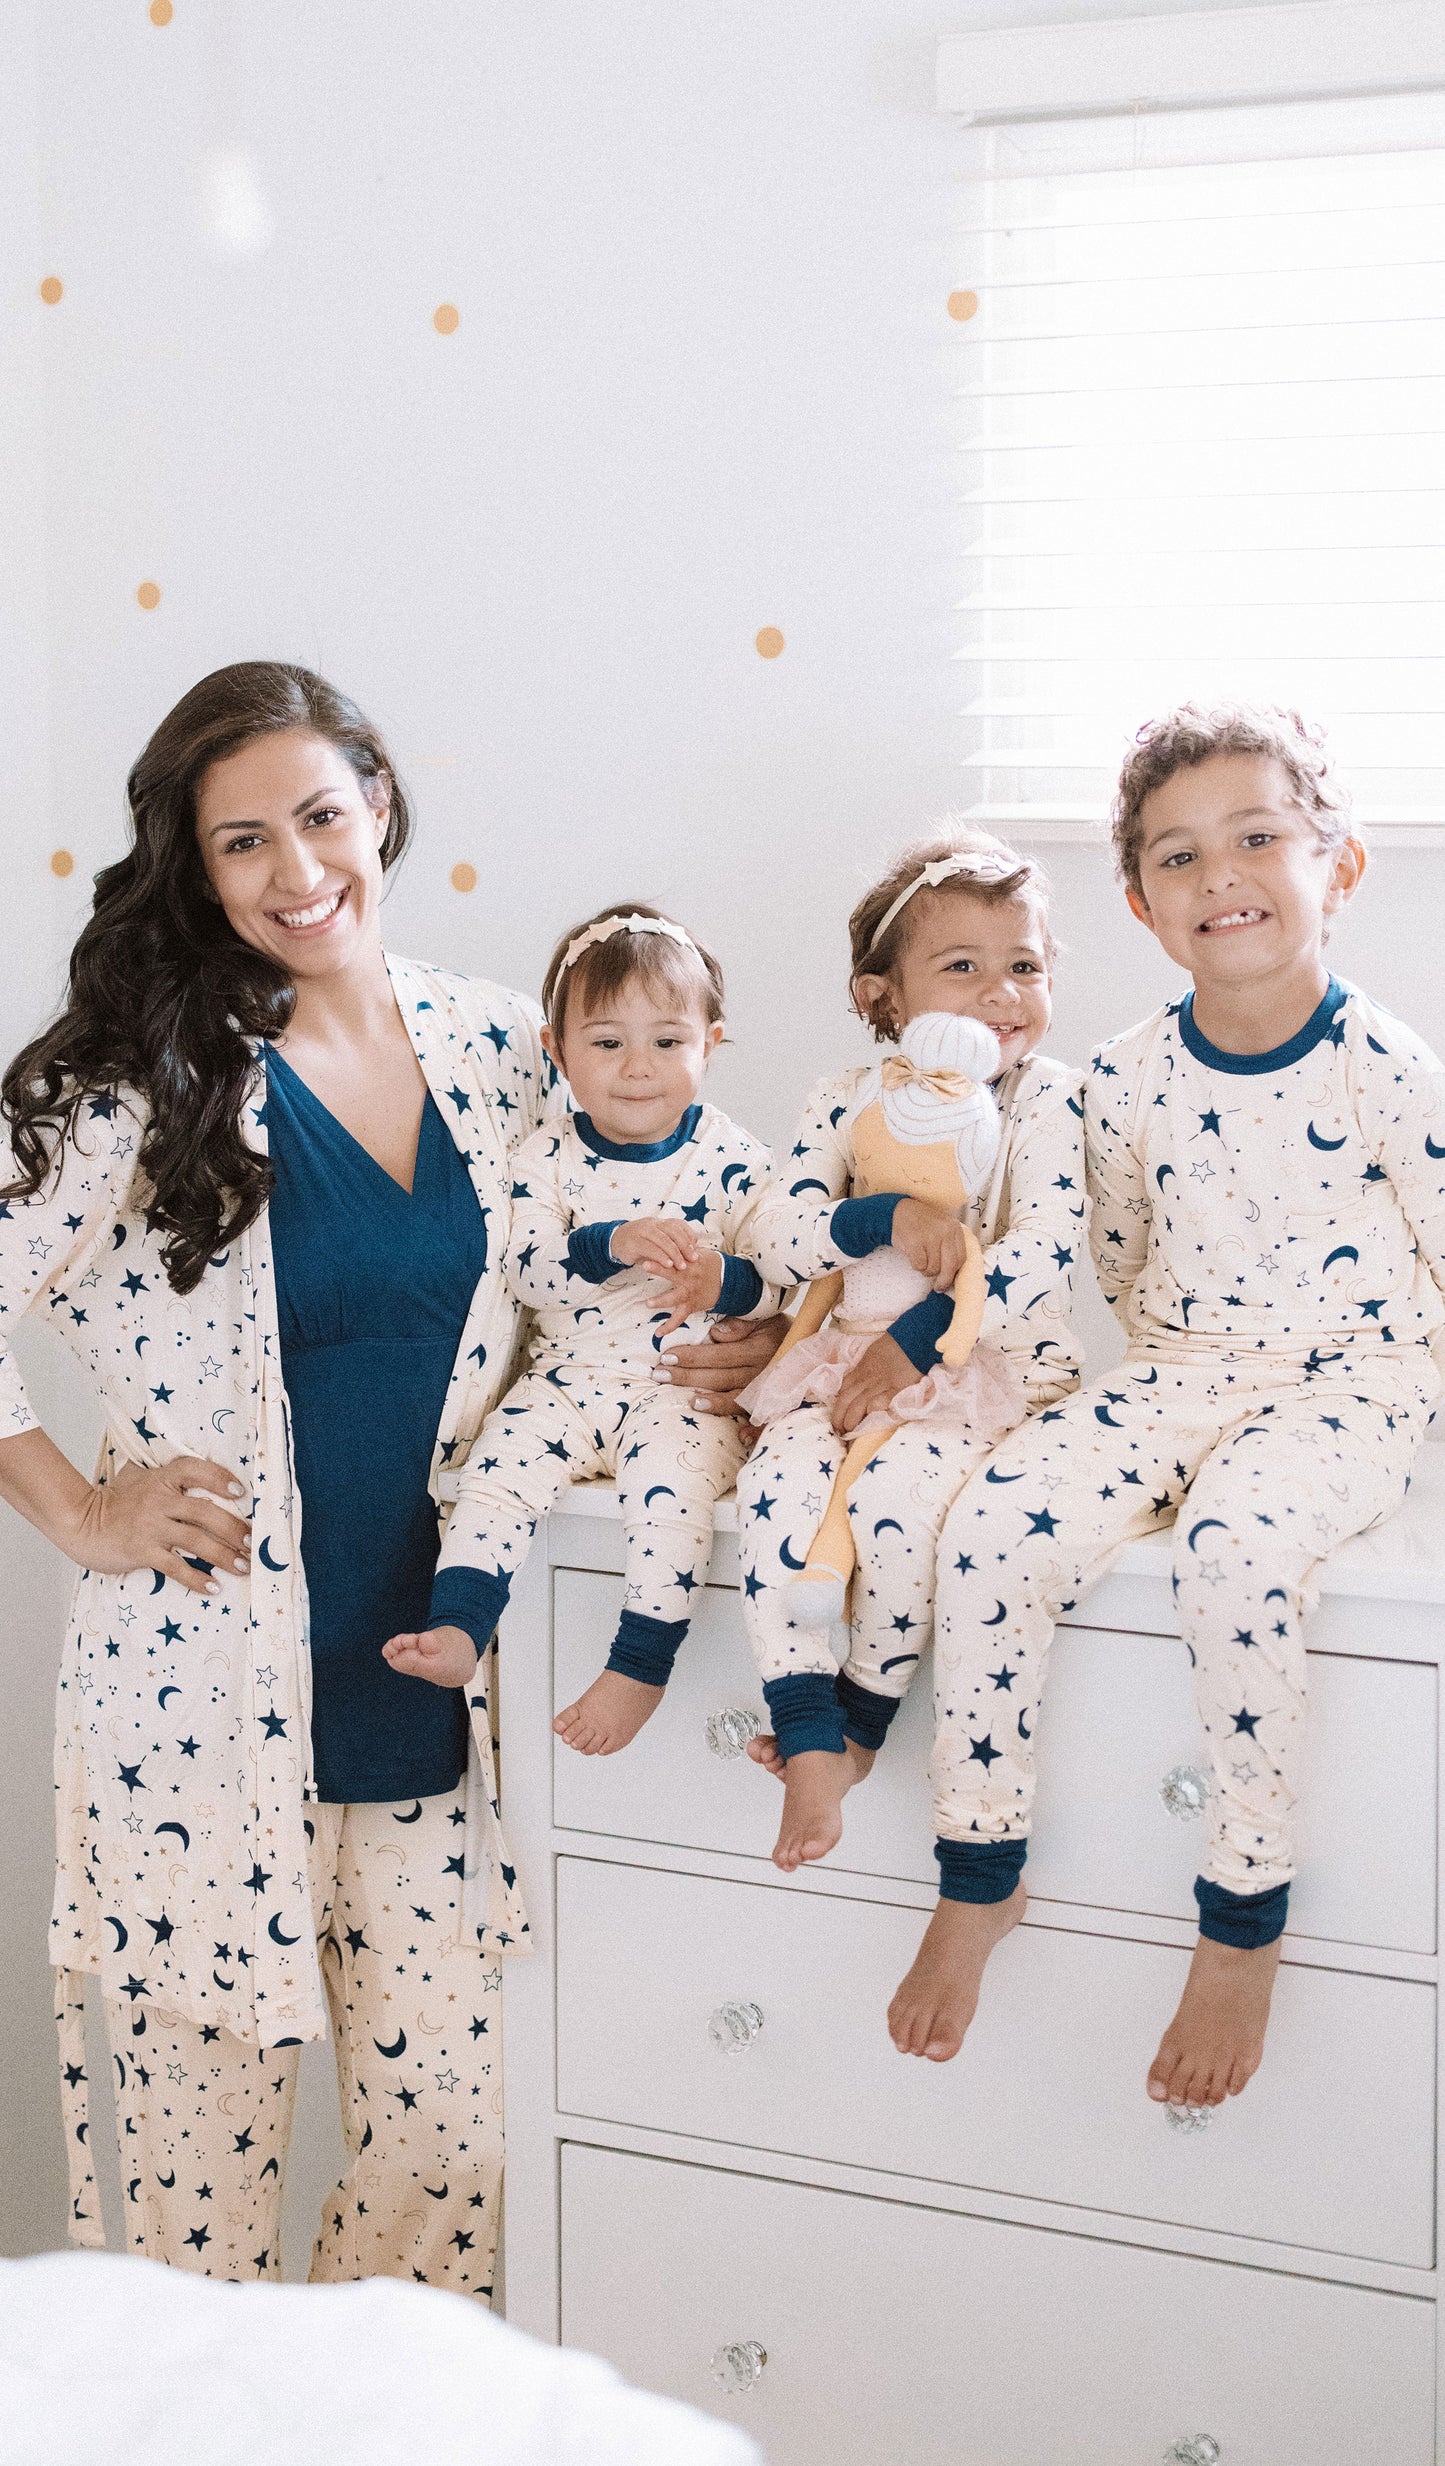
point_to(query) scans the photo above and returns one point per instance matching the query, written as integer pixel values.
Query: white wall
(700, 385)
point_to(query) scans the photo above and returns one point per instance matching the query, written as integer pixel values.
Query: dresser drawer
(898, 2336)
(1330, 2147)
(1119, 1716)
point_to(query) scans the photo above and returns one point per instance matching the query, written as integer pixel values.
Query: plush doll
(925, 1124)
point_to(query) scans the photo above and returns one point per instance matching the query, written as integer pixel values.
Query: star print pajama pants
(203, 2119)
(897, 1510)
(672, 1465)
(1263, 1469)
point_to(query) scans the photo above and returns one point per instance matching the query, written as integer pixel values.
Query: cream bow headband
(606, 926)
(983, 864)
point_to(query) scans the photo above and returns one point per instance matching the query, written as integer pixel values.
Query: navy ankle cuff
(865, 1715)
(979, 1870)
(646, 1648)
(807, 1716)
(1245, 1919)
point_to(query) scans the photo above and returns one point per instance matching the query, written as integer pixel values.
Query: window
(1202, 419)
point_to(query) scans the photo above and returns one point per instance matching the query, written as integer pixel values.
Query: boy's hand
(662, 1246)
(445, 1655)
(694, 1288)
(872, 1383)
(931, 1240)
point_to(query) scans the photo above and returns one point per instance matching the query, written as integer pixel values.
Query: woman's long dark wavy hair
(164, 996)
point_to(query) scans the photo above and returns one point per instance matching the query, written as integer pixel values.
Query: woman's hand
(931, 1240)
(162, 1519)
(691, 1288)
(718, 1370)
(659, 1244)
(872, 1383)
(445, 1655)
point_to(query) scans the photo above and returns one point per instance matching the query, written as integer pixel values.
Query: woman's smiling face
(290, 838)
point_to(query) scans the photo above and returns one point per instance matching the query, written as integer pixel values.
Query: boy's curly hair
(1192, 734)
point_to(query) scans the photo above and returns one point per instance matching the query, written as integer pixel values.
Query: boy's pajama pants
(671, 1463)
(1263, 1468)
(203, 2119)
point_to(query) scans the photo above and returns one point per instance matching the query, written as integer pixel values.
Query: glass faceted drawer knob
(1189, 2119)
(1185, 1791)
(728, 1732)
(1195, 2449)
(732, 2029)
(739, 2368)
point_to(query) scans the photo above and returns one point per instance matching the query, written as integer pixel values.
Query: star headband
(606, 926)
(982, 864)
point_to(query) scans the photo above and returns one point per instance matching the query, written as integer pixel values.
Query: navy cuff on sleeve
(741, 1289)
(807, 1716)
(646, 1648)
(979, 1870)
(921, 1330)
(865, 1715)
(589, 1252)
(860, 1226)
(468, 1598)
(1247, 1919)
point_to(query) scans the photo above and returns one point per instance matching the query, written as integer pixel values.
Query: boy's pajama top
(1271, 1227)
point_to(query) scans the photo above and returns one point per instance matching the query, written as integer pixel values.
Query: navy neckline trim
(1316, 1028)
(643, 1153)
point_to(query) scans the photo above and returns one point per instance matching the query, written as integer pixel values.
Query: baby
(627, 1217)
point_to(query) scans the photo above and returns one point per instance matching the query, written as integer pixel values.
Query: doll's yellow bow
(948, 1087)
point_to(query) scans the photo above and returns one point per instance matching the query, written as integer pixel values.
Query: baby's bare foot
(932, 2009)
(445, 1655)
(764, 1750)
(815, 1785)
(1213, 2045)
(608, 1716)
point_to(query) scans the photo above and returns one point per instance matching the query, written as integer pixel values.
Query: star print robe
(182, 1737)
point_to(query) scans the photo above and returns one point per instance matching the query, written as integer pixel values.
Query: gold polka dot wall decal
(464, 877)
(446, 319)
(768, 644)
(962, 305)
(62, 863)
(51, 289)
(161, 12)
(149, 594)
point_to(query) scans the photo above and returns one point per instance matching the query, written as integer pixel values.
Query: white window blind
(1202, 412)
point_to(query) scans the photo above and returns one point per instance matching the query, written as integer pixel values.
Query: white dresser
(718, 2165)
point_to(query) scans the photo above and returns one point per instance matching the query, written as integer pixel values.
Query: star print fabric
(1031, 1226)
(1267, 1470)
(203, 2121)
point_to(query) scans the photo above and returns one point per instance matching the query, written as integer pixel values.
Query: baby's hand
(659, 1244)
(445, 1655)
(695, 1288)
(931, 1240)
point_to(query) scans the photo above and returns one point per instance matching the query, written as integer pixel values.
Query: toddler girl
(957, 926)
(627, 1217)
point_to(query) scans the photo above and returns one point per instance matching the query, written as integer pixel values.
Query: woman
(261, 1179)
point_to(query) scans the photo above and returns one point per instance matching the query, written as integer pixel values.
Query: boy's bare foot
(445, 1655)
(764, 1750)
(932, 2009)
(815, 1785)
(608, 1716)
(1213, 2045)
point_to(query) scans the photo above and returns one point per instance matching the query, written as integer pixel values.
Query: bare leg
(815, 1785)
(608, 1715)
(1214, 2043)
(932, 2009)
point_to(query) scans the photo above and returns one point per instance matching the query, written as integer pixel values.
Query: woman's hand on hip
(164, 1519)
(718, 1370)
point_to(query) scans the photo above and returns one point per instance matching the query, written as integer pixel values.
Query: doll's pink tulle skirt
(986, 1395)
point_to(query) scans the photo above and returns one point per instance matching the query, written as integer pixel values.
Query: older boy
(1267, 1168)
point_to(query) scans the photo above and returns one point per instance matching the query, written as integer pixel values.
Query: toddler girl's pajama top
(1272, 1227)
(1031, 1225)
(591, 1401)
